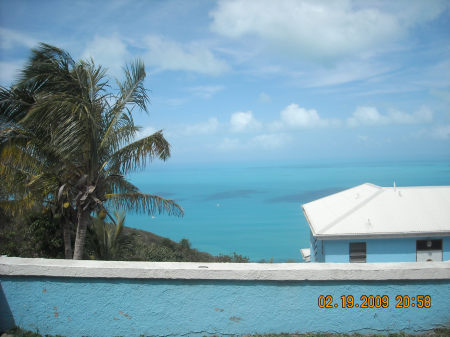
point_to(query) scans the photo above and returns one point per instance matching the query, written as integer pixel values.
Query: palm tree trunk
(68, 253)
(83, 220)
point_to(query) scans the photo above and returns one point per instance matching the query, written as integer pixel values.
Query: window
(429, 250)
(358, 252)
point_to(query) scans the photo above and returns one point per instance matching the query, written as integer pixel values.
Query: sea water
(255, 209)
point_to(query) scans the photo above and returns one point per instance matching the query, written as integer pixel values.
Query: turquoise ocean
(255, 209)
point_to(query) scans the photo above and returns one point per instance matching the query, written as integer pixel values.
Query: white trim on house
(370, 211)
(306, 254)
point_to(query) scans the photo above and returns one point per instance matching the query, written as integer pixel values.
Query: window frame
(436, 245)
(361, 254)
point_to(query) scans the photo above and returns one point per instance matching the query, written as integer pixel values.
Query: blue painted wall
(392, 250)
(334, 251)
(379, 250)
(113, 307)
(316, 250)
(446, 248)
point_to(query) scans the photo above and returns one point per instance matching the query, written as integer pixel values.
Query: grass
(442, 332)
(18, 332)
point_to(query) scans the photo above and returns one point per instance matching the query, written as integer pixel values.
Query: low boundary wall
(106, 298)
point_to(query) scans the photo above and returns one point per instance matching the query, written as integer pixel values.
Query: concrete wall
(98, 298)
(380, 250)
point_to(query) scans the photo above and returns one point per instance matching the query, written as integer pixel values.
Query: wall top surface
(14, 266)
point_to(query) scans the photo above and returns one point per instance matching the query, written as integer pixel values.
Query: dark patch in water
(307, 196)
(231, 194)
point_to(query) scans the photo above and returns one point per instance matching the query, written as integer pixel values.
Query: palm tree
(73, 142)
(107, 239)
(25, 157)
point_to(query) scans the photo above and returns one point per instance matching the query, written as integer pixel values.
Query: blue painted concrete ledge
(98, 298)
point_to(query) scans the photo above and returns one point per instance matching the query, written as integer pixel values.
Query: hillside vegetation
(40, 235)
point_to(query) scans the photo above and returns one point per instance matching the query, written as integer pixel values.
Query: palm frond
(135, 155)
(120, 220)
(149, 203)
(118, 184)
(106, 240)
(132, 91)
(123, 132)
(51, 67)
(24, 150)
(15, 102)
(20, 206)
(15, 156)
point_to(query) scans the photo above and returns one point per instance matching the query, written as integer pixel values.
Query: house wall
(104, 299)
(316, 250)
(380, 250)
(336, 251)
(446, 248)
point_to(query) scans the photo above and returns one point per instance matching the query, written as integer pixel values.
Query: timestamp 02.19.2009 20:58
(374, 301)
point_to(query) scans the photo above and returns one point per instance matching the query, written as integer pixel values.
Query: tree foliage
(67, 140)
(39, 235)
(106, 240)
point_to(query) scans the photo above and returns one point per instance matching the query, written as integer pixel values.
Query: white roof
(371, 211)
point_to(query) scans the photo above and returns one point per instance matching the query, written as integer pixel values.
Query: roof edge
(347, 189)
(311, 227)
(399, 235)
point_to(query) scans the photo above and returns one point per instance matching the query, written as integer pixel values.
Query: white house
(369, 223)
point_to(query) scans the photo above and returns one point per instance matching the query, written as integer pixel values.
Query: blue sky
(244, 80)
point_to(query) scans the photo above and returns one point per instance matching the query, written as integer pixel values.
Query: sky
(262, 80)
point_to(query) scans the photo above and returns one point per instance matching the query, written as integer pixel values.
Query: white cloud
(202, 128)
(9, 71)
(266, 141)
(264, 98)
(171, 102)
(370, 116)
(244, 121)
(166, 54)
(366, 115)
(146, 131)
(229, 144)
(110, 52)
(423, 115)
(321, 31)
(362, 138)
(441, 132)
(10, 39)
(416, 12)
(437, 75)
(441, 94)
(295, 117)
(343, 72)
(206, 91)
(271, 141)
